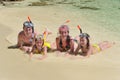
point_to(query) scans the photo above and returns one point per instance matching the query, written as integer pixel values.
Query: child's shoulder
(21, 33)
(57, 38)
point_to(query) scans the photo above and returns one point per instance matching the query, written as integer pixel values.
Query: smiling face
(64, 31)
(39, 43)
(28, 28)
(27, 31)
(83, 41)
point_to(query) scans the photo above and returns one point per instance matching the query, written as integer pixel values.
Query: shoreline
(56, 17)
(15, 64)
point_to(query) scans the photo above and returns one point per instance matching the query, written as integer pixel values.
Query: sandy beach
(16, 65)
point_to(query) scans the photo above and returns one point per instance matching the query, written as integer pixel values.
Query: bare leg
(105, 44)
(46, 33)
(53, 45)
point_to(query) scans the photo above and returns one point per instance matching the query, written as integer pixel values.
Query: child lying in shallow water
(87, 48)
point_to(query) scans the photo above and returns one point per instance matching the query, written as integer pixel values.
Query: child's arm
(77, 50)
(89, 52)
(19, 42)
(30, 55)
(57, 44)
(45, 50)
(71, 51)
(44, 55)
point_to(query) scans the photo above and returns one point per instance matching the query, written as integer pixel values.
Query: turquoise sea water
(106, 13)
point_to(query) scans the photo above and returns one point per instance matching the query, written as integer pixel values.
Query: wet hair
(39, 37)
(88, 42)
(64, 27)
(29, 24)
(87, 36)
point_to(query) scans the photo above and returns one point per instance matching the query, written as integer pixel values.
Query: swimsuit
(97, 47)
(38, 52)
(45, 44)
(67, 44)
(41, 51)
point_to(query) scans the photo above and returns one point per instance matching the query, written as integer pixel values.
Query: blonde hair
(63, 27)
(39, 37)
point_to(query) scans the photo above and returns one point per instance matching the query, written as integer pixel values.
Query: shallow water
(105, 13)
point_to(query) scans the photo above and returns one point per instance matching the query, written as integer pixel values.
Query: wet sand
(16, 65)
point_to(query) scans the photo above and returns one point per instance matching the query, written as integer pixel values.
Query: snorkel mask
(84, 35)
(87, 36)
(29, 24)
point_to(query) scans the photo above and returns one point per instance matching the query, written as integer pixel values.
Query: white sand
(15, 64)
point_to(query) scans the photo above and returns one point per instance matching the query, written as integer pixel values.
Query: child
(87, 48)
(26, 37)
(41, 45)
(64, 42)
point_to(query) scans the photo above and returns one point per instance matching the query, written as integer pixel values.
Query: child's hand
(43, 57)
(58, 53)
(67, 54)
(26, 49)
(30, 55)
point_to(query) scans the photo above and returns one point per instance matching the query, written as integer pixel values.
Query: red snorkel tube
(67, 21)
(79, 28)
(29, 19)
(31, 23)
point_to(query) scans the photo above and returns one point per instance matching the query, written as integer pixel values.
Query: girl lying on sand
(64, 42)
(41, 46)
(87, 49)
(26, 37)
